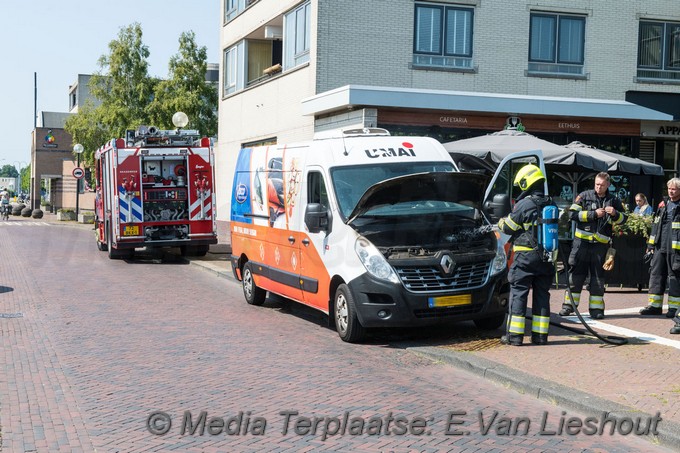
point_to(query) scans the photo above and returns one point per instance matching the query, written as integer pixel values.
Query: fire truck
(155, 189)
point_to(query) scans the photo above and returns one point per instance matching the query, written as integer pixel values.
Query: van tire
(254, 295)
(345, 316)
(491, 323)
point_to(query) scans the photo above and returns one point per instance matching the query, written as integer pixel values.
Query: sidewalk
(574, 371)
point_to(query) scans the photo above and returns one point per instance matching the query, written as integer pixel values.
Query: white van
(373, 230)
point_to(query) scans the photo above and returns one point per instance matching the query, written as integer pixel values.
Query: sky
(60, 39)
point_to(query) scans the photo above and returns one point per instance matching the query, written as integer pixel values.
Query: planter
(66, 215)
(630, 271)
(44, 208)
(86, 217)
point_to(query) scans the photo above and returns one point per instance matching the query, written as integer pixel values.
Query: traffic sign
(78, 173)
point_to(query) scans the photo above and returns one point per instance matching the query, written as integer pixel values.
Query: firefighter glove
(609, 259)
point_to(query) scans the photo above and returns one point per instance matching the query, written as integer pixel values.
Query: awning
(348, 96)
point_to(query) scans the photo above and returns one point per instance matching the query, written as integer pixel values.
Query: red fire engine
(155, 188)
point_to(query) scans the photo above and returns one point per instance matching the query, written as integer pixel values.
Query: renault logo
(447, 264)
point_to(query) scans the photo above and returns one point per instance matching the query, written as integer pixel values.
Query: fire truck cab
(155, 188)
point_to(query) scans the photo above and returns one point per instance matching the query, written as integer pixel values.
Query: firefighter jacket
(590, 227)
(659, 233)
(522, 223)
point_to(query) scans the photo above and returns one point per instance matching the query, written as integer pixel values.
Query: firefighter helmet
(527, 176)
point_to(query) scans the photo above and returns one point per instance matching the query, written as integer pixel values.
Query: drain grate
(11, 315)
(474, 344)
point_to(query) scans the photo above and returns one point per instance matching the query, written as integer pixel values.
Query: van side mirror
(317, 218)
(498, 207)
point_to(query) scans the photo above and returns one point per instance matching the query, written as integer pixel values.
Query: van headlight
(500, 261)
(374, 262)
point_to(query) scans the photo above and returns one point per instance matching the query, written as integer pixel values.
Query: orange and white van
(373, 230)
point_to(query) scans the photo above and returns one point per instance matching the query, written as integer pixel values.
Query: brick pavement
(641, 376)
(114, 398)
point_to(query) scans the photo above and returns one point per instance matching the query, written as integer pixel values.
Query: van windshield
(351, 182)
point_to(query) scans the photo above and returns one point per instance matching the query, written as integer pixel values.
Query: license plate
(131, 230)
(450, 301)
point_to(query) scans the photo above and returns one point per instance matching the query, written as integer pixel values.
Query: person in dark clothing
(595, 212)
(664, 247)
(529, 270)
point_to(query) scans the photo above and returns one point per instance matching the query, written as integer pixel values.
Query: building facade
(605, 73)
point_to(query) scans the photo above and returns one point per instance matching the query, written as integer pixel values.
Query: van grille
(430, 279)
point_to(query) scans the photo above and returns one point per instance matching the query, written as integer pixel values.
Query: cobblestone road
(92, 347)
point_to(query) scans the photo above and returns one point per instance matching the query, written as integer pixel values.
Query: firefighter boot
(651, 310)
(539, 338)
(567, 310)
(676, 328)
(596, 313)
(671, 312)
(513, 339)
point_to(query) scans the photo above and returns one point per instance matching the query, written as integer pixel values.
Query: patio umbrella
(619, 163)
(494, 147)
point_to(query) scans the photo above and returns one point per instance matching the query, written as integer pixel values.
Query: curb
(561, 395)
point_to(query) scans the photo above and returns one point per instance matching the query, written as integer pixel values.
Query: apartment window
(659, 51)
(296, 36)
(233, 69)
(556, 44)
(443, 36)
(233, 8)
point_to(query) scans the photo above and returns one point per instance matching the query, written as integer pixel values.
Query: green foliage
(123, 85)
(636, 225)
(130, 97)
(8, 171)
(26, 179)
(186, 90)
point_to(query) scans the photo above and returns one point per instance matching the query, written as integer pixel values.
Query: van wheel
(491, 323)
(253, 294)
(345, 315)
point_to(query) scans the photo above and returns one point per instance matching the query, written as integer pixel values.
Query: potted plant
(66, 214)
(630, 242)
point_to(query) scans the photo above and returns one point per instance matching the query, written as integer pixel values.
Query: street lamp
(78, 149)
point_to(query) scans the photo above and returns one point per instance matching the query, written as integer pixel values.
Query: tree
(8, 171)
(186, 90)
(26, 179)
(124, 88)
(87, 129)
(123, 84)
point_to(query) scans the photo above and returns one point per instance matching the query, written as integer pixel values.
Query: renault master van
(372, 229)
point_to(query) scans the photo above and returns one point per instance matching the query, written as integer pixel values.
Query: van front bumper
(386, 304)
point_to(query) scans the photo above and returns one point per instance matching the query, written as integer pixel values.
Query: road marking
(651, 338)
(20, 223)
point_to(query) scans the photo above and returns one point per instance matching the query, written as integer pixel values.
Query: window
(443, 36)
(233, 8)
(233, 69)
(556, 44)
(316, 189)
(296, 36)
(659, 50)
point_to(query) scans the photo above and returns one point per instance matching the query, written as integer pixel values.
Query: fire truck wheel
(491, 323)
(254, 295)
(345, 313)
(101, 246)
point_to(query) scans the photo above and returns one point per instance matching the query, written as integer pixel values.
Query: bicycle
(5, 212)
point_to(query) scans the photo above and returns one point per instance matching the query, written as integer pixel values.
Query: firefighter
(595, 212)
(529, 270)
(665, 254)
